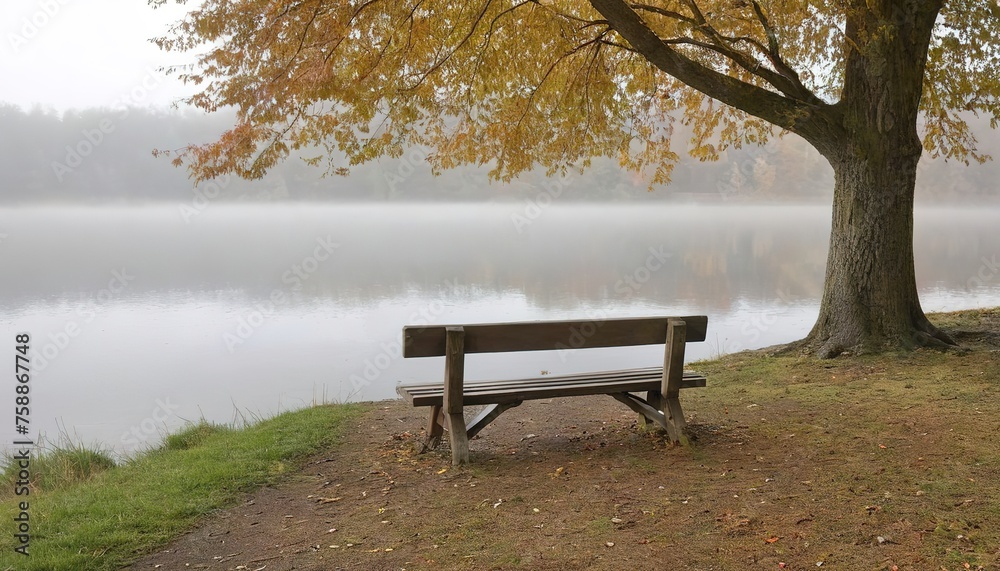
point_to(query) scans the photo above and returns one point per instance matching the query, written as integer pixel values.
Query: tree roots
(924, 336)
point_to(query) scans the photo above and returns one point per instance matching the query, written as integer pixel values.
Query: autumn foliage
(513, 84)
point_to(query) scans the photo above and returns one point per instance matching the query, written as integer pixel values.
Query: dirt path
(568, 491)
(394, 509)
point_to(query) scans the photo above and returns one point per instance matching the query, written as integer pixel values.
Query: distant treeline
(105, 155)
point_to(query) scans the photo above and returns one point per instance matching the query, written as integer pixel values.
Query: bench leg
(655, 400)
(673, 375)
(675, 422)
(454, 380)
(459, 439)
(434, 429)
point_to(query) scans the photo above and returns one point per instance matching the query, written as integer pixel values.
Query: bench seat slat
(602, 375)
(418, 398)
(554, 381)
(515, 390)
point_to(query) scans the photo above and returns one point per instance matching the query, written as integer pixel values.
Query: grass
(87, 513)
(56, 467)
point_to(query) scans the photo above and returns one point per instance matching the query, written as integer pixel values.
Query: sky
(66, 54)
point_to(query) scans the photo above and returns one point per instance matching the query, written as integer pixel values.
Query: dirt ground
(854, 464)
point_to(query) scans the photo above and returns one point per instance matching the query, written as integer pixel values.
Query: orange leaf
(771, 539)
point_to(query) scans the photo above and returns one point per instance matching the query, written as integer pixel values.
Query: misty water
(144, 318)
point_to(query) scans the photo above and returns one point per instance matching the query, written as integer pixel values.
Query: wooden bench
(660, 407)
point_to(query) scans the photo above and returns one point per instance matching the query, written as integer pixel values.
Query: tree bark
(870, 295)
(870, 298)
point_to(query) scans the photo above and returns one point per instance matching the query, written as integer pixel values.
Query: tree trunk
(870, 294)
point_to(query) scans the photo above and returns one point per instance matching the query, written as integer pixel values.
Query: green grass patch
(85, 513)
(193, 435)
(57, 467)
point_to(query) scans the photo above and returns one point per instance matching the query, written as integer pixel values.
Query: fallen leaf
(610, 544)
(328, 500)
(771, 539)
(442, 470)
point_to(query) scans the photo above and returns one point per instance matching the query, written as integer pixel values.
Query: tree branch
(664, 12)
(434, 67)
(782, 77)
(773, 51)
(804, 117)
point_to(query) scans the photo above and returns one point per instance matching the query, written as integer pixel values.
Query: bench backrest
(429, 341)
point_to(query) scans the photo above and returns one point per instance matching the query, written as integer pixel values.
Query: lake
(144, 318)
